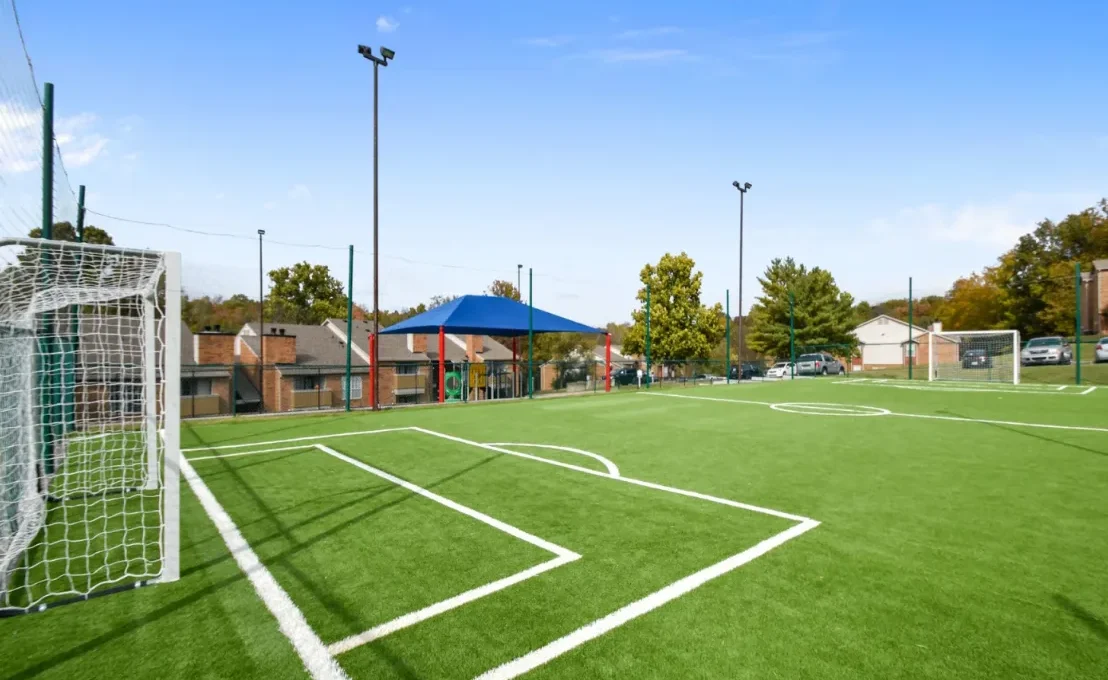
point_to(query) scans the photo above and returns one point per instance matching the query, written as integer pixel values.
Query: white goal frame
(932, 367)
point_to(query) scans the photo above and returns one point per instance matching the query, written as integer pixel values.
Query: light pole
(261, 328)
(743, 188)
(519, 280)
(383, 60)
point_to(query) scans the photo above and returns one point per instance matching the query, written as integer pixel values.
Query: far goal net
(974, 356)
(89, 392)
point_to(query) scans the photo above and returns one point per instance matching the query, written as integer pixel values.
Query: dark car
(628, 376)
(976, 358)
(750, 370)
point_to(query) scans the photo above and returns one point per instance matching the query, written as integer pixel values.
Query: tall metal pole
(519, 279)
(261, 327)
(911, 328)
(45, 344)
(792, 337)
(530, 335)
(349, 321)
(742, 199)
(727, 311)
(1077, 320)
(376, 307)
(648, 336)
(81, 214)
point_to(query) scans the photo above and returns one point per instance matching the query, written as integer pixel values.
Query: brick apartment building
(1094, 298)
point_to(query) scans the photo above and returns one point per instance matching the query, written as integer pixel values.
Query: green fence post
(234, 389)
(911, 339)
(1077, 320)
(45, 342)
(349, 323)
(727, 310)
(648, 378)
(530, 333)
(792, 337)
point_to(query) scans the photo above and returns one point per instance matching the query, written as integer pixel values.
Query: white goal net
(974, 356)
(89, 397)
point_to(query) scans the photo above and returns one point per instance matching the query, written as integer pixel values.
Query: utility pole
(743, 188)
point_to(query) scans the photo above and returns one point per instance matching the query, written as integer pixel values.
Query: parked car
(976, 358)
(782, 369)
(1102, 350)
(819, 364)
(1051, 350)
(628, 376)
(747, 371)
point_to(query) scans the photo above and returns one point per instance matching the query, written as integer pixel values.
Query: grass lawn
(961, 532)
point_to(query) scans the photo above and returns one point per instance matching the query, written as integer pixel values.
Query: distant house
(207, 360)
(305, 366)
(1094, 299)
(887, 342)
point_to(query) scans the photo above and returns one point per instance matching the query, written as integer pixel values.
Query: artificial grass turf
(947, 549)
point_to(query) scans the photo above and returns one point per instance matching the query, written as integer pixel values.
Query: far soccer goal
(974, 356)
(89, 406)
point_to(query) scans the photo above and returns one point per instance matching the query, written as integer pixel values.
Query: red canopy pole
(442, 364)
(608, 363)
(372, 374)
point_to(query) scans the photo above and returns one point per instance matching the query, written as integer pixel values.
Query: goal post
(90, 387)
(974, 356)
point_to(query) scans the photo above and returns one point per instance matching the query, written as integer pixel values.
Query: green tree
(548, 346)
(304, 293)
(65, 231)
(973, 303)
(824, 315)
(681, 327)
(504, 289)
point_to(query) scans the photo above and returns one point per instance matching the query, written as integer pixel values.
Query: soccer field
(809, 528)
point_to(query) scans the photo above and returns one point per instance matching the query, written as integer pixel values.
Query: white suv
(818, 364)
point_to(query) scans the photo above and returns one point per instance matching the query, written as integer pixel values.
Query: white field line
(1089, 391)
(956, 419)
(1049, 390)
(317, 660)
(562, 556)
(302, 447)
(1061, 387)
(312, 438)
(410, 619)
(591, 631)
(629, 480)
(613, 471)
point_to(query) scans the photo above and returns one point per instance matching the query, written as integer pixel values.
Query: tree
(548, 346)
(229, 314)
(618, 331)
(65, 231)
(504, 289)
(305, 294)
(824, 316)
(681, 328)
(974, 303)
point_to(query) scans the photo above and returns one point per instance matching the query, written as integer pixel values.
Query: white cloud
(79, 145)
(387, 24)
(548, 41)
(617, 56)
(300, 192)
(635, 34)
(995, 224)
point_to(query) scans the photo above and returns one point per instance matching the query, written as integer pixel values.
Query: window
(305, 382)
(355, 387)
(126, 398)
(407, 398)
(196, 387)
(407, 369)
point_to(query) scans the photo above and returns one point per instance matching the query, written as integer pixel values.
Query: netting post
(1077, 320)
(442, 365)
(372, 373)
(70, 358)
(608, 363)
(45, 344)
(727, 320)
(349, 323)
(911, 348)
(171, 390)
(530, 333)
(792, 337)
(648, 379)
(150, 386)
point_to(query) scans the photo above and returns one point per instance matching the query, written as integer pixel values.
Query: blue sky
(583, 139)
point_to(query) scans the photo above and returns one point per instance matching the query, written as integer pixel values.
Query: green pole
(234, 388)
(792, 337)
(1077, 319)
(349, 321)
(530, 333)
(648, 336)
(81, 214)
(727, 310)
(911, 347)
(46, 353)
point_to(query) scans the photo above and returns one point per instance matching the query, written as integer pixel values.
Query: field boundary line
(1089, 391)
(605, 624)
(311, 439)
(613, 470)
(956, 419)
(1032, 388)
(562, 556)
(302, 447)
(313, 653)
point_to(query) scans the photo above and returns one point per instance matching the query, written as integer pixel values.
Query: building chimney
(937, 327)
(207, 328)
(281, 331)
(474, 346)
(273, 330)
(417, 343)
(216, 328)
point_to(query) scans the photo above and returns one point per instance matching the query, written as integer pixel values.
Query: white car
(783, 369)
(1102, 350)
(1051, 350)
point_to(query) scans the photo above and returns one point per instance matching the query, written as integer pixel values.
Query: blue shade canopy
(486, 315)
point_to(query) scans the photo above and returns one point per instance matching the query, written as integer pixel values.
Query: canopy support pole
(442, 364)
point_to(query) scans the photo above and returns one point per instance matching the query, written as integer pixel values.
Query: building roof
(395, 347)
(481, 314)
(316, 348)
(189, 367)
(110, 347)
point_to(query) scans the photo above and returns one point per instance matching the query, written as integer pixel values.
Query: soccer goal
(974, 356)
(89, 414)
